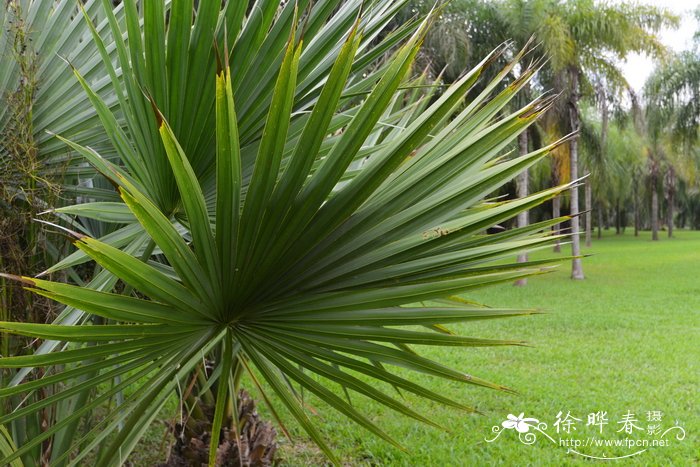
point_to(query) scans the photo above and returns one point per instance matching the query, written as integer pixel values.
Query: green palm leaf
(296, 273)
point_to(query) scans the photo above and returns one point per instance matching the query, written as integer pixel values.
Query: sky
(637, 68)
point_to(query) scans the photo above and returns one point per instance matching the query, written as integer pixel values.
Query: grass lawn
(625, 339)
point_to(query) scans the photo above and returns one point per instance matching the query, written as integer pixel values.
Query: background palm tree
(601, 35)
(673, 115)
(583, 41)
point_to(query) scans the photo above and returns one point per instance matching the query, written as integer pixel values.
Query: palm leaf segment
(314, 269)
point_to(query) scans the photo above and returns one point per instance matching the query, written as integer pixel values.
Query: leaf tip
(74, 236)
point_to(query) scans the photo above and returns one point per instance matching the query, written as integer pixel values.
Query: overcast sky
(638, 67)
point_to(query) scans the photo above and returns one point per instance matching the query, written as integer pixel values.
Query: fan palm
(166, 52)
(305, 256)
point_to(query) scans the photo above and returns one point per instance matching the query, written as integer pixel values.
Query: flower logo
(522, 425)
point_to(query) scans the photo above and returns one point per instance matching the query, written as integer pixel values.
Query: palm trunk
(588, 196)
(556, 212)
(635, 195)
(618, 218)
(576, 263)
(600, 220)
(670, 198)
(556, 204)
(522, 191)
(250, 441)
(654, 200)
(654, 213)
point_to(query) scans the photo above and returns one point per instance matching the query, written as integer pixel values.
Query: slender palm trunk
(522, 189)
(670, 198)
(556, 204)
(588, 196)
(556, 212)
(654, 214)
(635, 199)
(654, 199)
(600, 220)
(576, 263)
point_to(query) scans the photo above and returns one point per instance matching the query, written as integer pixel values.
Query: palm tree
(671, 93)
(286, 226)
(598, 35)
(580, 39)
(524, 20)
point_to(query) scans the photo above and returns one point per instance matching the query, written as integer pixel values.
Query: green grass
(624, 339)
